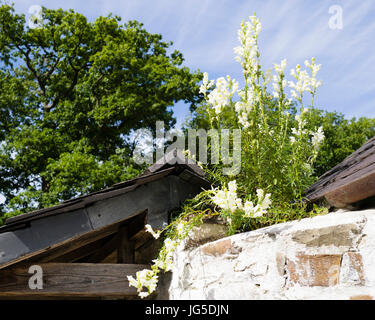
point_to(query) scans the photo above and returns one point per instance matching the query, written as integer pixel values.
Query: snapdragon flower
(264, 202)
(144, 279)
(301, 123)
(206, 84)
(170, 244)
(304, 81)
(166, 263)
(227, 199)
(314, 67)
(317, 138)
(156, 235)
(232, 186)
(247, 36)
(279, 83)
(244, 106)
(243, 120)
(300, 131)
(219, 97)
(314, 70)
(279, 68)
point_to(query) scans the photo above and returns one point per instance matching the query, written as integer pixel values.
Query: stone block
(338, 236)
(314, 270)
(206, 232)
(217, 248)
(351, 272)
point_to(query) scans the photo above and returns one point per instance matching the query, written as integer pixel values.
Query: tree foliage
(71, 92)
(343, 137)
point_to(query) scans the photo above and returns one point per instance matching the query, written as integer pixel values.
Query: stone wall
(325, 257)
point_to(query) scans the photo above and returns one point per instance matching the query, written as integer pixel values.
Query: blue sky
(205, 31)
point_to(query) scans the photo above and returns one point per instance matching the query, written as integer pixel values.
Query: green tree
(342, 137)
(71, 93)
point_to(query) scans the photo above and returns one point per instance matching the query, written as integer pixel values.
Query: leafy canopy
(71, 92)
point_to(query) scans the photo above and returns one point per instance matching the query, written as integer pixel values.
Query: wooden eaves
(348, 183)
(88, 245)
(64, 277)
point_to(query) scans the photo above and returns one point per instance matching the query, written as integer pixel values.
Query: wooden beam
(71, 280)
(126, 248)
(141, 238)
(80, 252)
(104, 251)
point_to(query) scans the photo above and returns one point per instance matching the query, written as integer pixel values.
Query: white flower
(264, 202)
(158, 263)
(180, 228)
(239, 106)
(227, 199)
(313, 67)
(317, 138)
(279, 83)
(219, 97)
(247, 36)
(260, 194)
(249, 209)
(156, 235)
(239, 203)
(301, 124)
(304, 81)
(279, 68)
(233, 84)
(132, 281)
(232, 186)
(242, 119)
(206, 84)
(315, 84)
(145, 279)
(143, 294)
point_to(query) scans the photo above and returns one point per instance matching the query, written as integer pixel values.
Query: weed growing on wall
(278, 149)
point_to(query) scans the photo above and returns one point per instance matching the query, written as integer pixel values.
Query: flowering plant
(279, 144)
(279, 147)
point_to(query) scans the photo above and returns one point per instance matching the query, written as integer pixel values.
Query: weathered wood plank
(350, 181)
(105, 250)
(126, 248)
(352, 192)
(71, 280)
(81, 252)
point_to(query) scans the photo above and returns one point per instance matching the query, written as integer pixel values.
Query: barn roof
(349, 182)
(173, 163)
(162, 188)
